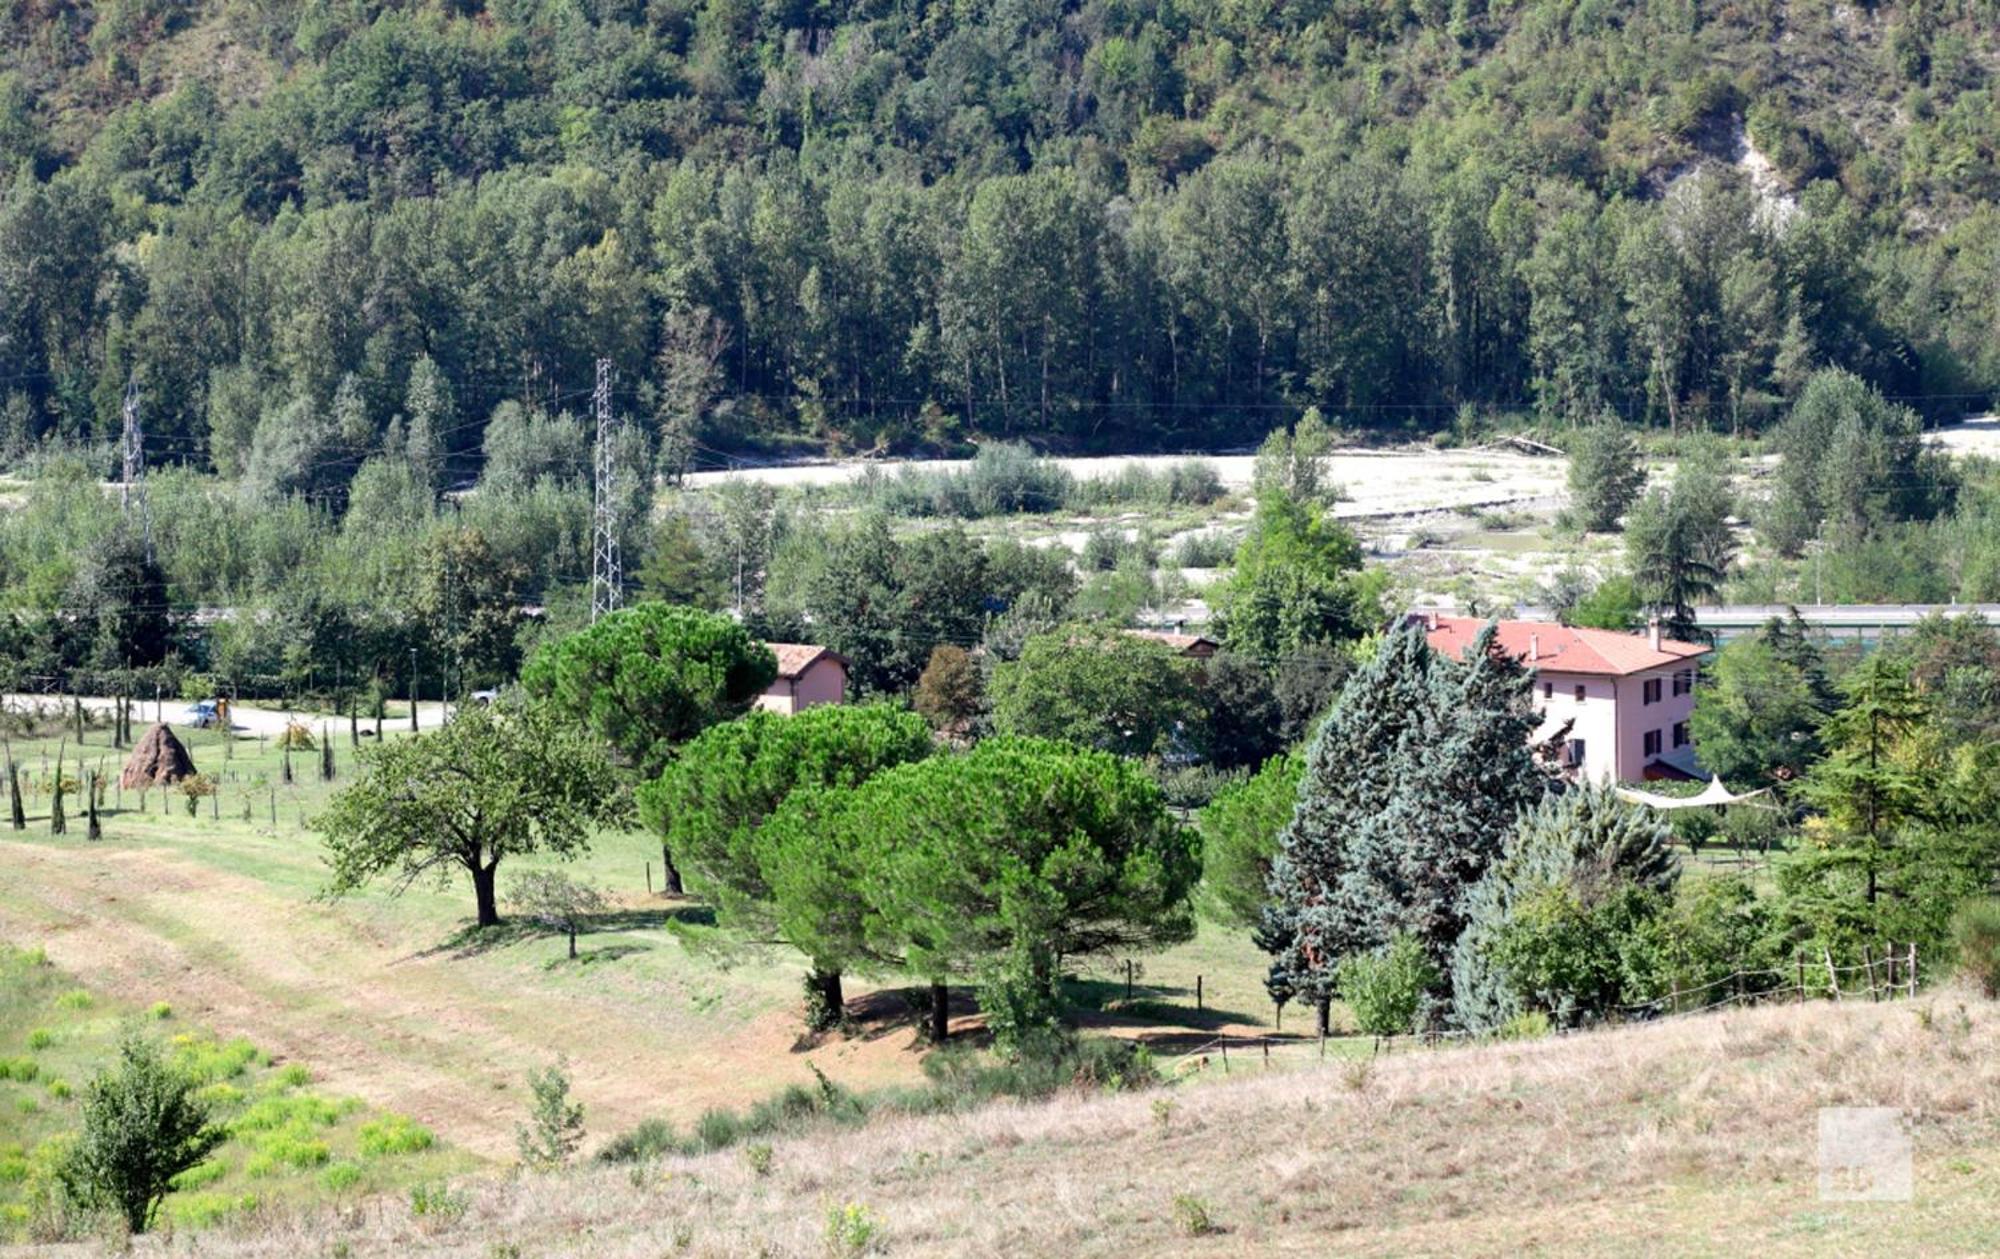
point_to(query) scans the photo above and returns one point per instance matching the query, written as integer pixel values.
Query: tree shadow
(1147, 1012)
(888, 1011)
(591, 957)
(472, 940)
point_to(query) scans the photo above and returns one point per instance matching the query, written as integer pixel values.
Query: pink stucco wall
(1612, 718)
(824, 682)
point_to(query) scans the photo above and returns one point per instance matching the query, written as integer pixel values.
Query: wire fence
(1885, 973)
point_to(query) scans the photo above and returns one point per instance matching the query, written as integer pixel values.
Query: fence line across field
(1883, 983)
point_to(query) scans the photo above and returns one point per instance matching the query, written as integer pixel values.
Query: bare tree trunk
(940, 1012)
(671, 874)
(483, 893)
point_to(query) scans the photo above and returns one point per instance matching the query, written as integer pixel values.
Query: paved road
(244, 718)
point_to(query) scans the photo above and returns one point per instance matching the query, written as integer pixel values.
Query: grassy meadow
(393, 1000)
(291, 1141)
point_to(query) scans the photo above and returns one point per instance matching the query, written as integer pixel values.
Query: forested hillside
(1115, 223)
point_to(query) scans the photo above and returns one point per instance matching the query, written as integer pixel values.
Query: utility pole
(133, 447)
(607, 566)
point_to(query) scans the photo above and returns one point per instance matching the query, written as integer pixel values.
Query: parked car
(201, 715)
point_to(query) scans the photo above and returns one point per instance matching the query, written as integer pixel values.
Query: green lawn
(288, 1140)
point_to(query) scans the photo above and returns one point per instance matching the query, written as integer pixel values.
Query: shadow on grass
(889, 1011)
(473, 940)
(1146, 1012)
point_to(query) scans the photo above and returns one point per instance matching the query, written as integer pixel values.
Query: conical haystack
(158, 759)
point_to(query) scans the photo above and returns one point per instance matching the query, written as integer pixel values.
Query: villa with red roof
(1626, 697)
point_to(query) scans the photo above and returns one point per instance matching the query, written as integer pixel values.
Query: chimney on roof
(1653, 631)
(1534, 648)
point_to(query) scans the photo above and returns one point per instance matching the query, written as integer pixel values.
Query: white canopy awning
(1711, 796)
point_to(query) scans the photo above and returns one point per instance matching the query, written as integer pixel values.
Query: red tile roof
(1561, 648)
(795, 658)
(1186, 644)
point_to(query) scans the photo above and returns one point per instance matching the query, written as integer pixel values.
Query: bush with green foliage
(1386, 989)
(143, 1124)
(555, 1123)
(1563, 921)
(1975, 931)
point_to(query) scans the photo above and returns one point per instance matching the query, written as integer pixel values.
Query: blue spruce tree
(1411, 787)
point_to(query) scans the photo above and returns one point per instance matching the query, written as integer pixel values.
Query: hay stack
(159, 759)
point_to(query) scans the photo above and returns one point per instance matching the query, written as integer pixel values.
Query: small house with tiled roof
(1626, 697)
(1193, 646)
(807, 675)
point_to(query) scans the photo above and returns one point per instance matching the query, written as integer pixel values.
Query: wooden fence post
(1911, 976)
(1832, 976)
(1197, 992)
(1799, 965)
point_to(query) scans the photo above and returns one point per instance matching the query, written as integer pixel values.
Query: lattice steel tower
(607, 565)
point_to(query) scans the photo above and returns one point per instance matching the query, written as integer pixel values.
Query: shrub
(555, 1124)
(1527, 1025)
(41, 1038)
(22, 1069)
(209, 1061)
(393, 1134)
(851, 1229)
(59, 1088)
(1203, 549)
(161, 1011)
(651, 1139)
(341, 1176)
(1386, 988)
(205, 1210)
(1191, 1218)
(142, 1126)
(758, 1158)
(201, 1174)
(1975, 933)
(74, 999)
(438, 1201)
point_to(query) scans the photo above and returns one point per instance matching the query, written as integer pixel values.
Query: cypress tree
(95, 830)
(1585, 840)
(1411, 787)
(325, 755)
(14, 794)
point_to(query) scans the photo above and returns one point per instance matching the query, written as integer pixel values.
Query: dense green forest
(312, 230)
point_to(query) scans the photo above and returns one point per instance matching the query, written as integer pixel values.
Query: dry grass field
(1696, 1136)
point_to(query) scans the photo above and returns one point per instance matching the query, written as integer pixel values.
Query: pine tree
(1412, 785)
(1865, 790)
(1586, 841)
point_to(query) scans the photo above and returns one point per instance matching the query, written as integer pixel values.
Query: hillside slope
(1097, 223)
(1693, 1137)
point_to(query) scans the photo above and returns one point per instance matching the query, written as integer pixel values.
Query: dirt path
(438, 1036)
